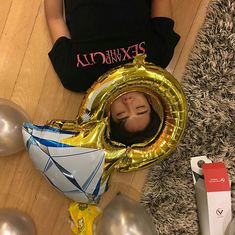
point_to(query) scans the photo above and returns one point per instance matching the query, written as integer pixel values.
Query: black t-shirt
(106, 34)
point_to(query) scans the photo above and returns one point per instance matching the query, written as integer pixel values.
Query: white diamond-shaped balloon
(76, 171)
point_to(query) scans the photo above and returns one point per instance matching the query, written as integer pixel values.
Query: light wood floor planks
(27, 78)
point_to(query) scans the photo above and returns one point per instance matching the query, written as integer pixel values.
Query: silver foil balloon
(124, 216)
(15, 222)
(12, 116)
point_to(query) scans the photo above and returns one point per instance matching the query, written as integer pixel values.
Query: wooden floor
(27, 78)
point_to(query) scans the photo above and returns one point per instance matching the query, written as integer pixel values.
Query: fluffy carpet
(209, 84)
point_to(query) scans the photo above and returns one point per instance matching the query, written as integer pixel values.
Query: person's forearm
(161, 8)
(55, 20)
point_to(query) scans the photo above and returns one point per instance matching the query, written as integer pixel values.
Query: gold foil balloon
(12, 116)
(78, 156)
(167, 97)
(15, 222)
(124, 216)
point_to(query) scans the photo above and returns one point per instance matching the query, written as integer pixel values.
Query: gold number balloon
(78, 156)
(166, 93)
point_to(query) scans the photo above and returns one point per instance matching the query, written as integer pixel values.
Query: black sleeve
(63, 59)
(161, 41)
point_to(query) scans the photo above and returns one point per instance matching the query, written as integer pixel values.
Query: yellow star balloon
(83, 217)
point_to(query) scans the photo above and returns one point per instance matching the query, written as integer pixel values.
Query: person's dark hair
(118, 132)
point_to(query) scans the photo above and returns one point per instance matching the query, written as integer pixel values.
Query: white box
(213, 195)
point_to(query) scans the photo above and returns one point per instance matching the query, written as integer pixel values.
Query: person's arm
(161, 8)
(55, 19)
(162, 40)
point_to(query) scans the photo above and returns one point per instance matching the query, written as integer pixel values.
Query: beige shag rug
(209, 84)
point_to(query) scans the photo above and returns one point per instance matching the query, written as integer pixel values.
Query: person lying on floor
(133, 118)
(91, 37)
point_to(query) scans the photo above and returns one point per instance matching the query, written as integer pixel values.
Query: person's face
(133, 109)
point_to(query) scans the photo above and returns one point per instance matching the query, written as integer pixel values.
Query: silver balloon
(12, 116)
(124, 216)
(15, 222)
(231, 228)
